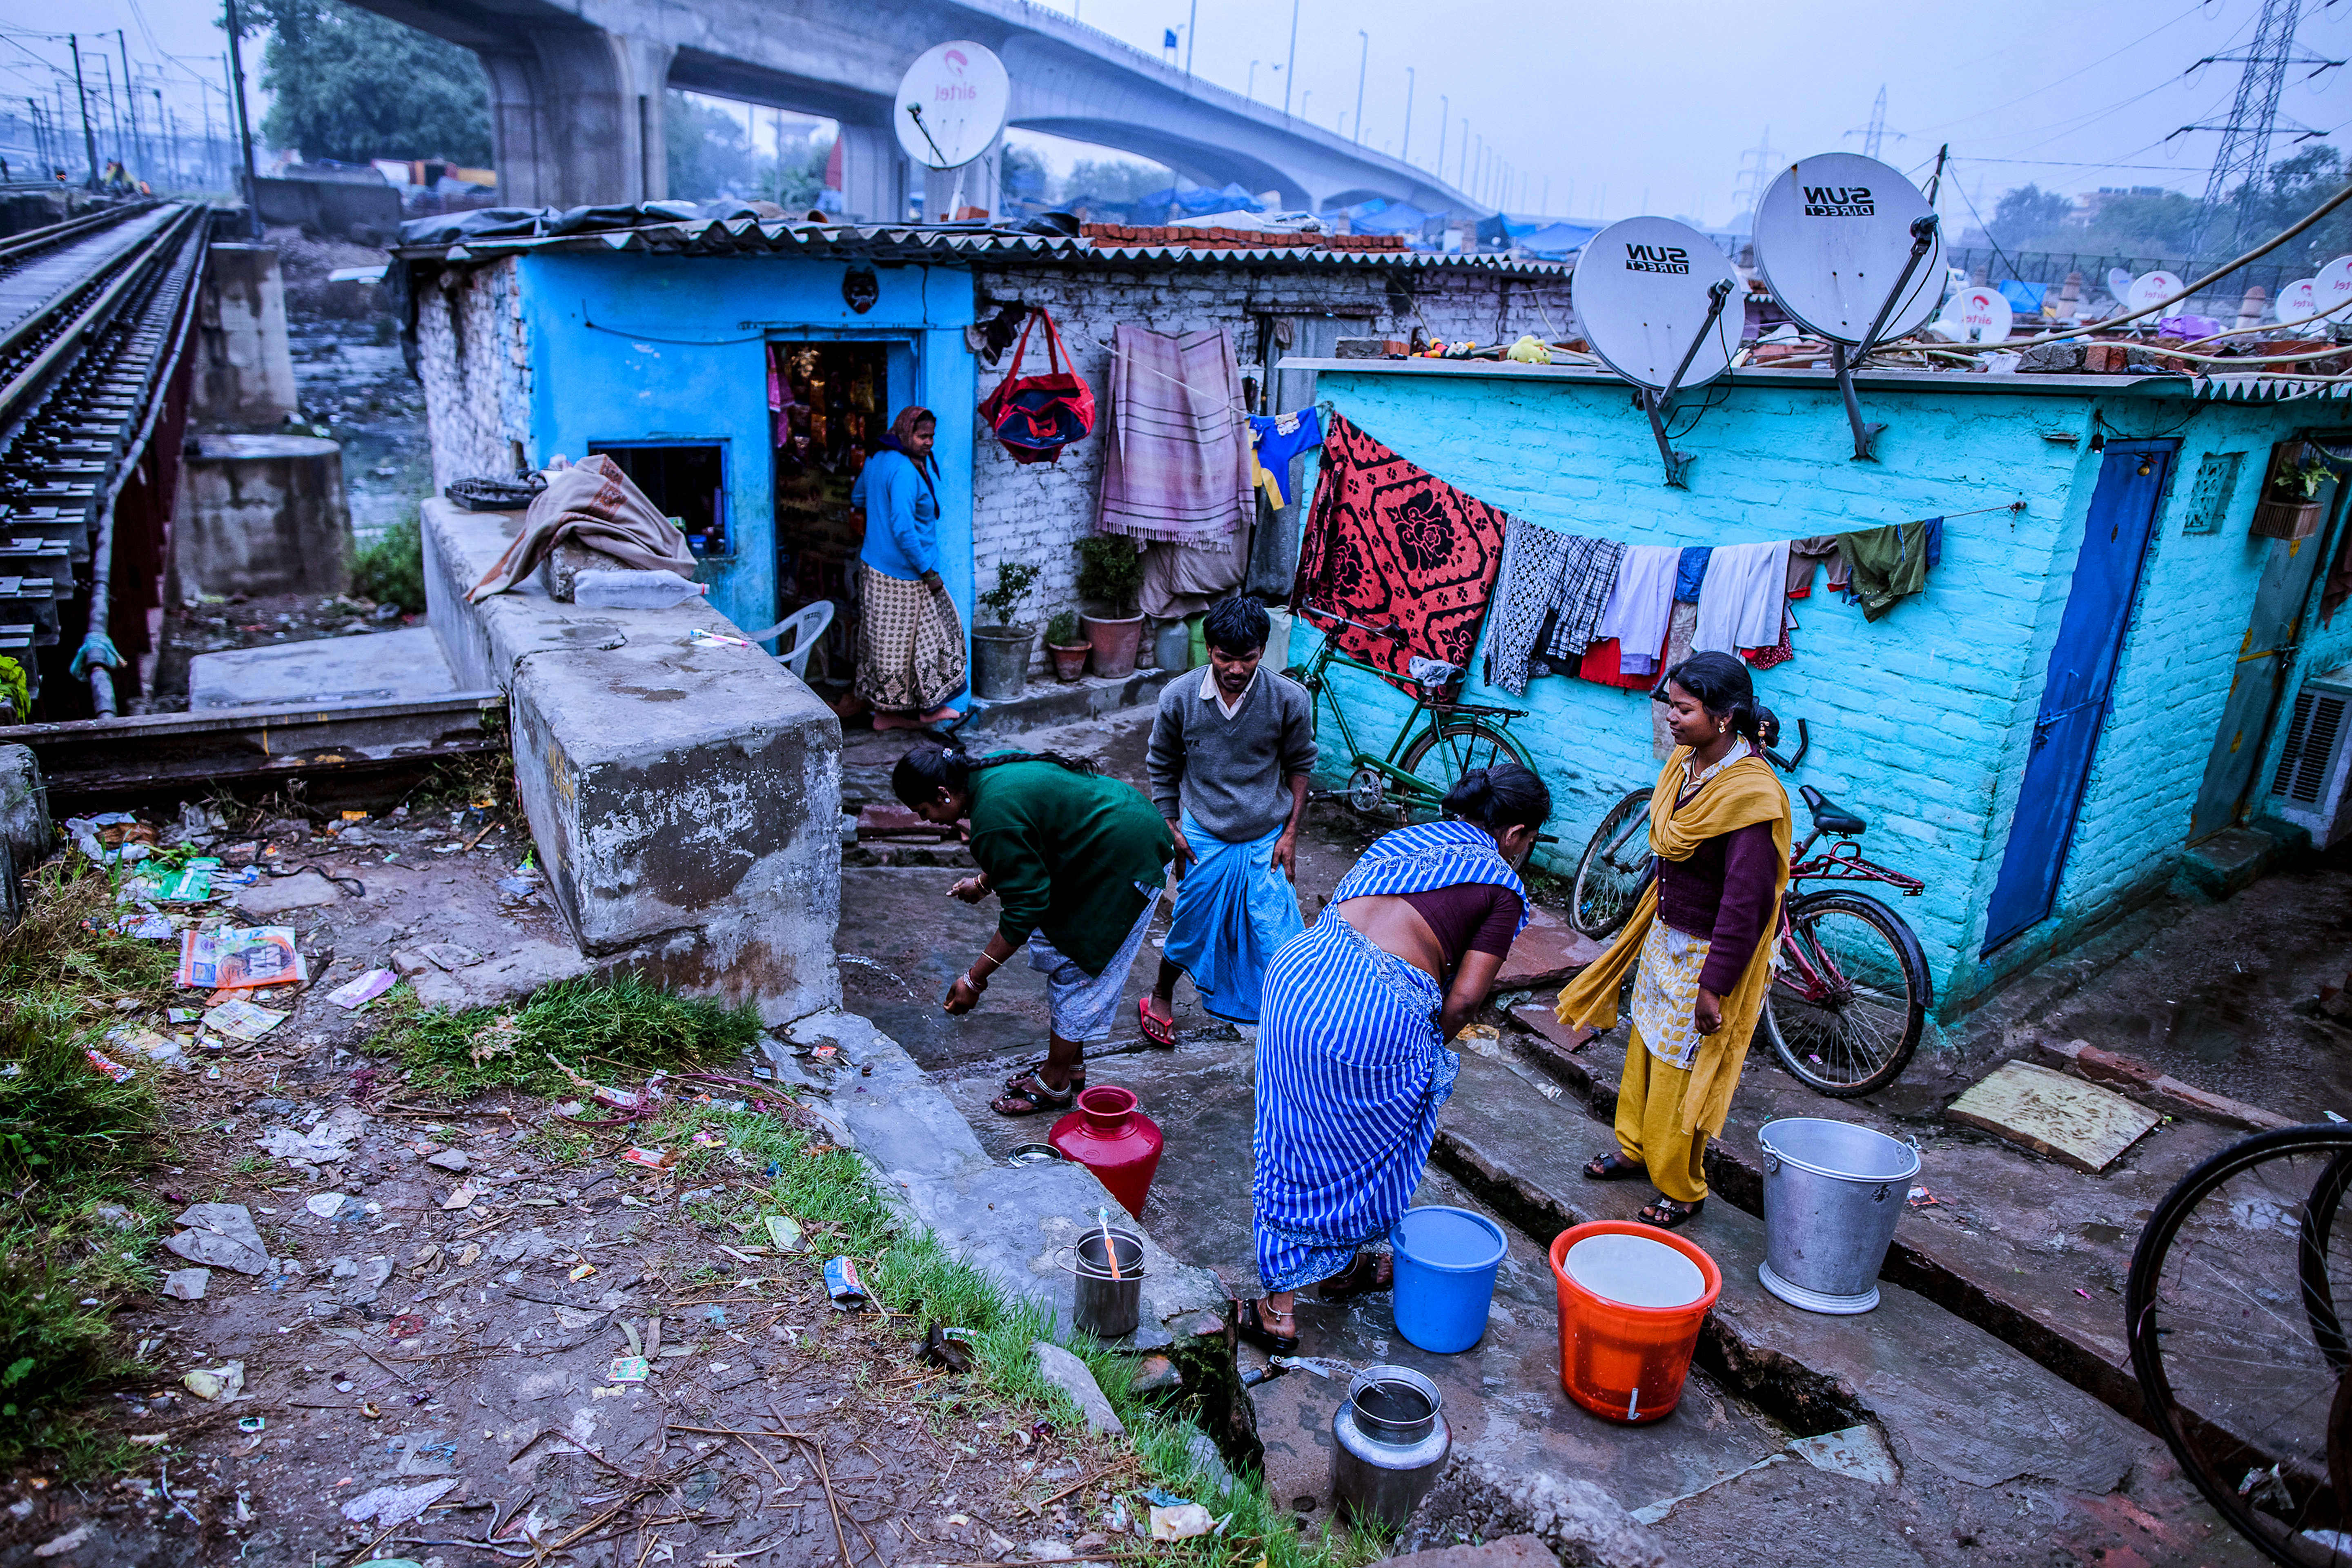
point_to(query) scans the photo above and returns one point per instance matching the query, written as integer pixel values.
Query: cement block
(405, 666)
(261, 515)
(686, 801)
(245, 370)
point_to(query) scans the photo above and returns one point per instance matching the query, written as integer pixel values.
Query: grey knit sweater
(1232, 774)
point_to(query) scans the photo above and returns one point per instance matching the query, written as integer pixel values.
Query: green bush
(391, 570)
(1110, 573)
(1062, 631)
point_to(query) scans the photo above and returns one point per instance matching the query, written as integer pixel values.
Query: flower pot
(1000, 660)
(1115, 643)
(2284, 519)
(1069, 659)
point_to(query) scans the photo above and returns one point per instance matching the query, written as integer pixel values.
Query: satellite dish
(951, 103)
(2146, 290)
(2298, 302)
(2118, 283)
(2333, 287)
(1664, 309)
(1981, 313)
(1833, 238)
(1642, 290)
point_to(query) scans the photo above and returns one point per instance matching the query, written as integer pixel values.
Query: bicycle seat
(1830, 817)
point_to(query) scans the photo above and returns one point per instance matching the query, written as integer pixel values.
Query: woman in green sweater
(1077, 862)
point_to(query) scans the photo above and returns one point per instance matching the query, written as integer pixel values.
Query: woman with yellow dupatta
(1699, 943)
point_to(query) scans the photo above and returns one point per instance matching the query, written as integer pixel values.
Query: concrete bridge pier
(577, 116)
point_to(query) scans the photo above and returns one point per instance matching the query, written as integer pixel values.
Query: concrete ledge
(2135, 1079)
(1050, 703)
(2235, 859)
(1007, 1221)
(686, 801)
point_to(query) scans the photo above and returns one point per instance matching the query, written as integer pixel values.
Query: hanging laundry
(1640, 603)
(1679, 627)
(1890, 564)
(1387, 542)
(1585, 582)
(1605, 664)
(1690, 573)
(1804, 554)
(1525, 589)
(1781, 652)
(1176, 457)
(1743, 598)
(1276, 440)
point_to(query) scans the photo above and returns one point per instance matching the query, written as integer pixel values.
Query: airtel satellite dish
(2146, 290)
(951, 104)
(2332, 290)
(2299, 301)
(1642, 290)
(1981, 315)
(1832, 240)
(2118, 283)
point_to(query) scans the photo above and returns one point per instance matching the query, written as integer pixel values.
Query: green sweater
(1065, 852)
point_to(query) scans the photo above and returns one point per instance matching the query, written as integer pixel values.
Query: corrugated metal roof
(2254, 388)
(714, 237)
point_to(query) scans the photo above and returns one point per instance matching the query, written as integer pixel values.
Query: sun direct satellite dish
(1853, 252)
(1979, 313)
(1664, 309)
(951, 104)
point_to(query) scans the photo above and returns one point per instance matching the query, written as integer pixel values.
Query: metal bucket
(1389, 1441)
(1833, 1194)
(1109, 1306)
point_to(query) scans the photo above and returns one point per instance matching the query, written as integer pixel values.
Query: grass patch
(602, 1029)
(391, 570)
(834, 1196)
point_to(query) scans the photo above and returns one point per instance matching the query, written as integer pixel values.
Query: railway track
(96, 315)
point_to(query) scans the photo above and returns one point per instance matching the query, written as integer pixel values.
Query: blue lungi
(1234, 910)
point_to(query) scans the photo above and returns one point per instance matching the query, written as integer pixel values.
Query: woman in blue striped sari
(1351, 1061)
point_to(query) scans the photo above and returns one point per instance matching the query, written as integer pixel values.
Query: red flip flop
(1158, 1033)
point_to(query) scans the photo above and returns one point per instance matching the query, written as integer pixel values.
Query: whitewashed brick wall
(472, 356)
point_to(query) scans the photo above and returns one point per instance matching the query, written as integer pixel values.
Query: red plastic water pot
(1119, 1143)
(1626, 1361)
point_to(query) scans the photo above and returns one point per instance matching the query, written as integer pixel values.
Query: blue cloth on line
(1351, 1070)
(1234, 908)
(1691, 573)
(1279, 438)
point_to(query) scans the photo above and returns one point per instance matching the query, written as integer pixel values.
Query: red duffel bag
(1036, 415)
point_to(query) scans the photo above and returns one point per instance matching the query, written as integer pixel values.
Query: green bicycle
(1438, 741)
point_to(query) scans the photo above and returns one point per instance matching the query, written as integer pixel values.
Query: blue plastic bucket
(1446, 1263)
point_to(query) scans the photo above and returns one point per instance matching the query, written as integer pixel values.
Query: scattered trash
(705, 1138)
(184, 1014)
(370, 1411)
(236, 958)
(784, 1233)
(241, 1020)
(329, 1142)
(109, 1067)
(631, 1369)
(842, 1283)
(1033, 1154)
(460, 1196)
(945, 1347)
(221, 1235)
(1484, 1039)
(405, 1326)
(389, 1506)
(67, 1541)
(1182, 1522)
(582, 1272)
(651, 1159)
(225, 1381)
(326, 1205)
(359, 993)
(2083, 1293)
(187, 1284)
(697, 637)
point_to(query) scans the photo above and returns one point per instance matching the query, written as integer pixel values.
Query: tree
(2027, 213)
(2280, 199)
(796, 181)
(350, 86)
(1022, 174)
(1114, 181)
(708, 153)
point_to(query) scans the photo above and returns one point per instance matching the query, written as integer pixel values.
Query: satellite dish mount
(1655, 298)
(1659, 403)
(1923, 239)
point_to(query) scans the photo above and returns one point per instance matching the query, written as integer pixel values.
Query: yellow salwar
(1650, 1132)
(1744, 793)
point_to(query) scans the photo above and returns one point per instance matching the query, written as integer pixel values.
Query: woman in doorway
(1352, 1065)
(1699, 943)
(1077, 862)
(911, 658)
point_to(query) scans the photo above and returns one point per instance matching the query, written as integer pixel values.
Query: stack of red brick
(1109, 236)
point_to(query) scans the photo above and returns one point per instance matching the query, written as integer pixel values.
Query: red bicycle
(1850, 989)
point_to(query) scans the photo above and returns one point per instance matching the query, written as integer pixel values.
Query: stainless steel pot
(1833, 1194)
(1389, 1442)
(1108, 1305)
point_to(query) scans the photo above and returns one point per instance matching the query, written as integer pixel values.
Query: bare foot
(941, 716)
(896, 722)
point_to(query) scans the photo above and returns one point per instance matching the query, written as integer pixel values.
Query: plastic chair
(796, 635)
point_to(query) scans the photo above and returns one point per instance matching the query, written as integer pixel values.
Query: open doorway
(829, 404)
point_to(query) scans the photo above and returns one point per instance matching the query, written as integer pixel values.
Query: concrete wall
(474, 362)
(1921, 721)
(686, 801)
(245, 365)
(260, 515)
(369, 213)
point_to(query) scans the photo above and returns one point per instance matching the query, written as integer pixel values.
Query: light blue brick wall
(1921, 721)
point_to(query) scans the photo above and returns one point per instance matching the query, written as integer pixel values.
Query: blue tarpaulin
(1559, 241)
(2025, 298)
(1395, 217)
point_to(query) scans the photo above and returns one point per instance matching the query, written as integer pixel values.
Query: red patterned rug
(1388, 544)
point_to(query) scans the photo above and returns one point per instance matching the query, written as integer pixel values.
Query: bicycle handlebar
(1393, 632)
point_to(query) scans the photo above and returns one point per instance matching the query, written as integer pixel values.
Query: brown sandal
(1028, 1095)
(1370, 1274)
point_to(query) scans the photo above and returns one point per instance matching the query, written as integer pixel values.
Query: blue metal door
(2082, 674)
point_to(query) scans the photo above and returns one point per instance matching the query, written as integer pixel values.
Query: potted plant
(1110, 574)
(1001, 645)
(2290, 505)
(1067, 645)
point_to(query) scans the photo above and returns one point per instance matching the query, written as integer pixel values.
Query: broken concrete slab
(221, 1235)
(449, 955)
(274, 896)
(1510, 1552)
(1576, 1522)
(2080, 1123)
(2138, 1080)
(327, 1143)
(1547, 953)
(453, 1161)
(503, 977)
(187, 1284)
(1068, 1374)
(404, 665)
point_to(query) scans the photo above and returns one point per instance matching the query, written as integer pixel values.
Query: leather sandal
(1028, 1095)
(1666, 1214)
(1370, 1274)
(1077, 1077)
(1612, 1166)
(1249, 1323)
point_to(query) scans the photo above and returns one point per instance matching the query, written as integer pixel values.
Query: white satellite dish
(2118, 283)
(2147, 288)
(1979, 313)
(2298, 302)
(2332, 285)
(1664, 309)
(1852, 251)
(951, 103)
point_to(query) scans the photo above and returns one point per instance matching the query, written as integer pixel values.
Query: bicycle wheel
(1442, 753)
(1608, 883)
(2244, 1388)
(1849, 1002)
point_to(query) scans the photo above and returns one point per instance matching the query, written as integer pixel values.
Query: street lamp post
(1363, 58)
(1251, 91)
(1404, 152)
(1444, 114)
(1189, 27)
(81, 101)
(1290, 71)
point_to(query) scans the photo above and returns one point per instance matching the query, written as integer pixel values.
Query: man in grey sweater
(1229, 759)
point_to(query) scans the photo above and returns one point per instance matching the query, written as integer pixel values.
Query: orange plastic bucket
(1625, 1359)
